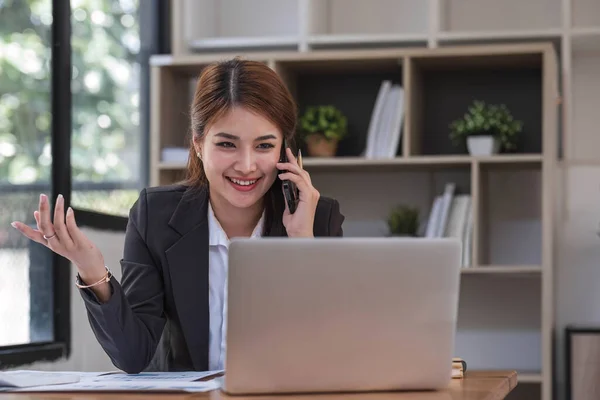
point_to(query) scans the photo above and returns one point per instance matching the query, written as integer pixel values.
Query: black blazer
(157, 318)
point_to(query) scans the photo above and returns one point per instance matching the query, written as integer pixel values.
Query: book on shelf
(451, 216)
(385, 126)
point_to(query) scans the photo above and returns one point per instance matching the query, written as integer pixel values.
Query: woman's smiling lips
(243, 184)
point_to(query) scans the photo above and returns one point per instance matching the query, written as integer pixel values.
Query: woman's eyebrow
(227, 136)
(234, 137)
(265, 137)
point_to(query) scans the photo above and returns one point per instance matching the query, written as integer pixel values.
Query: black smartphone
(290, 191)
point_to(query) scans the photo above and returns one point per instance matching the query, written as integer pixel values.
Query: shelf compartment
(350, 85)
(341, 20)
(585, 41)
(493, 15)
(490, 334)
(223, 24)
(585, 13)
(508, 227)
(441, 89)
(366, 216)
(169, 124)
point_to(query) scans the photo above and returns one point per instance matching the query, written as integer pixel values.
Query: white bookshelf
(222, 25)
(513, 191)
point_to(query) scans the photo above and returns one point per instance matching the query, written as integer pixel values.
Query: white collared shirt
(217, 288)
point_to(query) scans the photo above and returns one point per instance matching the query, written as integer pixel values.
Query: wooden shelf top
(509, 51)
(414, 161)
(503, 270)
(232, 43)
(433, 160)
(332, 39)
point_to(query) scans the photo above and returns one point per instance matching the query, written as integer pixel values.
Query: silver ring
(49, 237)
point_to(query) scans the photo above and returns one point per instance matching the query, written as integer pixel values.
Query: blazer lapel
(188, 269)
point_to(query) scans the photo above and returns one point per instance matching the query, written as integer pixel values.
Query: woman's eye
(266, 145)
(225, 144)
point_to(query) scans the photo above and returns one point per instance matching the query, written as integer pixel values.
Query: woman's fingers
(304, 187)
(59, 224)
(74, 231)
(36, 215)
(295, 169)
(45, 223)
(292, 165)
(29, 232)
(287, 209)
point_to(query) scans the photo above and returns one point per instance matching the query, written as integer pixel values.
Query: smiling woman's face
(239, 153)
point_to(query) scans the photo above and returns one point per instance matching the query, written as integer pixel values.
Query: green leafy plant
(325, 120)
(404, 220)
(487, 119)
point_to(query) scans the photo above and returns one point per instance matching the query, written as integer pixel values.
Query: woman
(168, 312)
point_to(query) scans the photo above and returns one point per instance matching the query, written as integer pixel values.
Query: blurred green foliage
(105, 88)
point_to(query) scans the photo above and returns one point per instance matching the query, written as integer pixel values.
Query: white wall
(578, 256)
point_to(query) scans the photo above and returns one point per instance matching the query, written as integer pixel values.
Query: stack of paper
(38, 381)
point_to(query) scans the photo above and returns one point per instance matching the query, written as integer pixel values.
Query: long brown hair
(252, 85)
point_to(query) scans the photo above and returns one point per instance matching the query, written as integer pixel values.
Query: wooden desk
(476, 385)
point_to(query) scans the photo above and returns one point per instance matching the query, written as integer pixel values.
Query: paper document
(184, 376)
(142, 385)
(39, 381)
(19, 379)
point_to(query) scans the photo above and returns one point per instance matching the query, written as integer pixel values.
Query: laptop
(341, 314)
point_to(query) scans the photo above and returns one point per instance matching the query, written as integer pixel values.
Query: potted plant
(487, 129)
(403, 221)
(323, 127)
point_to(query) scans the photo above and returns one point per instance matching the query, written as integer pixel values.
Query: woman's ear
(198, 150)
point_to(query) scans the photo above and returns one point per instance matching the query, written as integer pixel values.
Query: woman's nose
(246, 162)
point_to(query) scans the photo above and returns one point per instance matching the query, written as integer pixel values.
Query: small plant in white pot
(487, 129)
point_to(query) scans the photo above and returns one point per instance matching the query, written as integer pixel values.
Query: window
(106, 152)
(86, 140)
(25, 168)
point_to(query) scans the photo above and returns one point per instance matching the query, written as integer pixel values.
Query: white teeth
(242, 183)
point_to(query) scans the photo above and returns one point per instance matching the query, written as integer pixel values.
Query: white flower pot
(483, 145)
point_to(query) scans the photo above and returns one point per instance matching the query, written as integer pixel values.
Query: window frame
(154, 39)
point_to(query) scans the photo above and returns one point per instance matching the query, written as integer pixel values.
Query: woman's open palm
(63, 236)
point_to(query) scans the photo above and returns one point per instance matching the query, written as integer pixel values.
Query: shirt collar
(217, 235)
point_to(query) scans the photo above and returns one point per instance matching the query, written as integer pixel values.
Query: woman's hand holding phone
(300, 223)
(64, 237)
